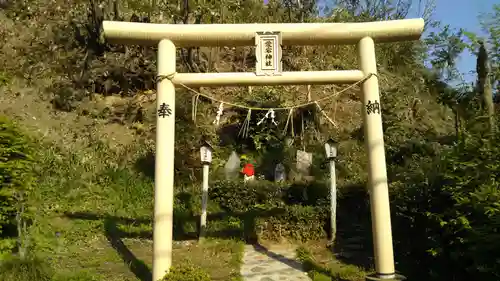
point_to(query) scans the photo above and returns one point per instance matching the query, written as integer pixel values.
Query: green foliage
(300, 223)
(446, 46)
(237, 197)
(316, 276)
(5, 78)
(319, 272)
(451, 210)
(133, 192)
(16, 179)
(77, 276)
(491, 25)
(305, 257)
(31, 268)
(278, 211)
(7, 244)
(315, 193)
(186, 272)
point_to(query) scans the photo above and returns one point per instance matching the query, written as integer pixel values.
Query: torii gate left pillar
(197, 35)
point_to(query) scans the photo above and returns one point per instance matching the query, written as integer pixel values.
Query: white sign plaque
(268, 53)
(206, 154)
(331, 151)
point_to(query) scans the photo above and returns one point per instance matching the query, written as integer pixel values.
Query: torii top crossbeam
(198, 35)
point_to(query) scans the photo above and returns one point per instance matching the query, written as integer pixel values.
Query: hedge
(274, 211)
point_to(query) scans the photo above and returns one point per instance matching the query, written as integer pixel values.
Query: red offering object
(248, 170)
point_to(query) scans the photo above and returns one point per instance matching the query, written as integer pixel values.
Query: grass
(321, 264)
(92, 221)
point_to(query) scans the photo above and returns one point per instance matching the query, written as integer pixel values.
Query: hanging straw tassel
(194, 107)
(246, 125)
(289, 121)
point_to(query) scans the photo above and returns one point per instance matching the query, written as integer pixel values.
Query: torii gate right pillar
(377, 171)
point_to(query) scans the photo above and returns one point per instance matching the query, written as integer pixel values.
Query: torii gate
(268, 72)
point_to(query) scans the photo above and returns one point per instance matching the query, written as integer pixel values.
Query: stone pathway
(276, 264)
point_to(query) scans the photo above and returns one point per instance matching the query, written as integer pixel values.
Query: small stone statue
(232, 166)
(279, 173)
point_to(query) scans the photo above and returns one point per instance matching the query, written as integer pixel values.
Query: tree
(483, 85)
(491, 25)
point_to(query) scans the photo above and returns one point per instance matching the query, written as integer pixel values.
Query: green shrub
(16, 179)
(274, 211)
(31, 268)
(301, 223)
(186, 272)
(316, 276)
(237, 197)
(452, 214)
(312, 194)
(7, 244)
(264, 208)
(5, 78)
